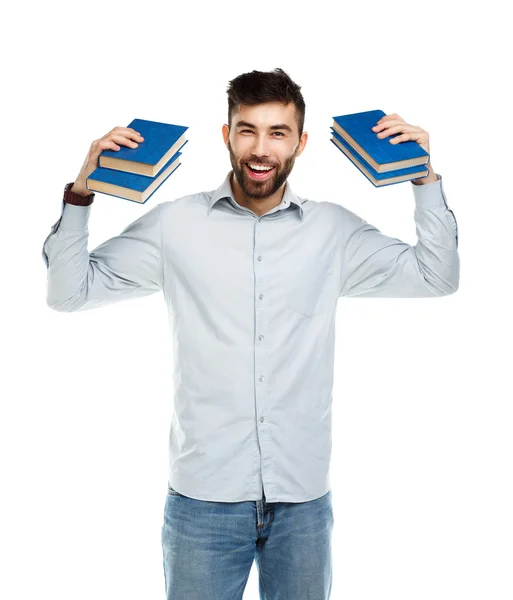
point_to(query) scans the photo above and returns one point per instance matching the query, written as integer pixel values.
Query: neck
(256, 205)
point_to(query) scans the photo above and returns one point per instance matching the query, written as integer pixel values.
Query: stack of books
(380, 161)
(136, 173)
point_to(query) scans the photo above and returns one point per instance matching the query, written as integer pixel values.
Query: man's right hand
(124, 136)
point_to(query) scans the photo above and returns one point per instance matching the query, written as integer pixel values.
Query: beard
(261, 189)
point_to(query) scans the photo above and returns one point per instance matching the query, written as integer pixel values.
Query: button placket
(261, 352)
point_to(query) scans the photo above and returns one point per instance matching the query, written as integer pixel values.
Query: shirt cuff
(74, 217)
(429, 195)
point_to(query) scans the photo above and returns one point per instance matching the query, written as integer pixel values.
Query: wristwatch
(76, 199)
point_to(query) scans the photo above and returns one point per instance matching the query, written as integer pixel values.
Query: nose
(260, 146)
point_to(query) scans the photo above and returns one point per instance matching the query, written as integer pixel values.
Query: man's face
(263, 135)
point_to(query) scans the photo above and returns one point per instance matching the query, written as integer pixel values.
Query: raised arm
(375, 265)
(123, 267)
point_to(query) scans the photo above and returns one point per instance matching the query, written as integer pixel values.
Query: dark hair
(258, 87)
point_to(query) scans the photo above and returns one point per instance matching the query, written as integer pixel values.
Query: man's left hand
(392, 124)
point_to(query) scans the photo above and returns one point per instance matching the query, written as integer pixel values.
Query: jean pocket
(313, 291)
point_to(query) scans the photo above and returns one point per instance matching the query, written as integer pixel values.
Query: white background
(422, 447)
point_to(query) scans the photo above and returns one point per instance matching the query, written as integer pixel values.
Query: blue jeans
(209, 548)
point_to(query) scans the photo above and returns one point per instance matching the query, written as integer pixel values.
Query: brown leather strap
(76, 199)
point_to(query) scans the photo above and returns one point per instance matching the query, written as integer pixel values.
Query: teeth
(260, 167)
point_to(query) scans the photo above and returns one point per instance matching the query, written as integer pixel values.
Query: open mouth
(259, 173)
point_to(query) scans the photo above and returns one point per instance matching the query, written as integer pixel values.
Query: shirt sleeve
(375, 265)
(123, 267)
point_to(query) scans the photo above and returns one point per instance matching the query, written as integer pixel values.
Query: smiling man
(252, 275)
(263, 145)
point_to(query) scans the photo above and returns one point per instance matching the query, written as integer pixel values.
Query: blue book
(161, 142)
(378, 179)
(130, 186)
(356, 130)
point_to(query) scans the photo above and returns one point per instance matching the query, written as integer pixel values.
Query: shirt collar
(225, 191)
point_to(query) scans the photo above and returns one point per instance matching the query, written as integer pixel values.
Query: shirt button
(259, 258)
(261, 296)
(261, 419)
(260, 337)
(261, 377)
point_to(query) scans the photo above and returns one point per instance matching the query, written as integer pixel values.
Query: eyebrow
(279, 126)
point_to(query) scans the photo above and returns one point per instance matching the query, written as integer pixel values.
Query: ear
(226, 133)
(302, 143)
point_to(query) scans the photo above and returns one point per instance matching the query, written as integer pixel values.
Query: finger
(124, 140)
(390, 120)
(385, 124)
(131, 134)
(414, 136)
(396, 129)
(106, 145)
(109, 142)
(119, 129)
(402, 138)
(392, 117)
(126, 131)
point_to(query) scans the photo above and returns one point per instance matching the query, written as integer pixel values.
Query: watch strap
(76, 199)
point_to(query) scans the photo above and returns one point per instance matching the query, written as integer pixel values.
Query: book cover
(356, 130)
(378, 179)
(130, 186)
(161, 142)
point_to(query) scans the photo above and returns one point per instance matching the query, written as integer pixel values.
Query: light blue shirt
(252, 303)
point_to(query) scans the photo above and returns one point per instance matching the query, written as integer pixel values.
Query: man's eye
(244, 131)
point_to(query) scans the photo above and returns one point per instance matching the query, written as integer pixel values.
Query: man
(251, 274)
